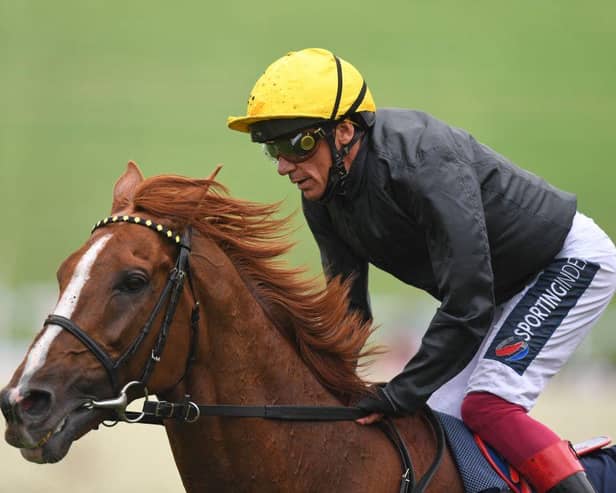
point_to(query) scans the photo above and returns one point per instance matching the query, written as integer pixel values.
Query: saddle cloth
(477, 462)
(477, 474)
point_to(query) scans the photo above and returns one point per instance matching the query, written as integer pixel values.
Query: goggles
(295, 148)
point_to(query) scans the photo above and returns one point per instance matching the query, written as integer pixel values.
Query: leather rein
(155, 412)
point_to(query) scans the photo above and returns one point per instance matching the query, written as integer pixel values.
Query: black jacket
(438, 210)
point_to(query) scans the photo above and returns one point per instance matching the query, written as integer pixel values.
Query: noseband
(170, 297)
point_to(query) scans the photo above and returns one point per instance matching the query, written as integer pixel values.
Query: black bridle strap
(132, 349)
(171, 295)
(188, 411)
(176, 280)
(155, 412)
(88, 342)
(171, 291)
(408, 475)
(437, 426)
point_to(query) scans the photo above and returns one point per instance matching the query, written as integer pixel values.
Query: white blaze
(65, 307)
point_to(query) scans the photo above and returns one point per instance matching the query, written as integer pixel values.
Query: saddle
(483, 470)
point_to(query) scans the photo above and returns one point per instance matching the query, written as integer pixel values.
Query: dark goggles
(295, 148)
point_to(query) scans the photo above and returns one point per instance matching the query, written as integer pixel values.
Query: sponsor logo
(550, 298)
(512, 349)
(540, 312)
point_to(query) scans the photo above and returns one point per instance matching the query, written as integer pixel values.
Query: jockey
(520, 274)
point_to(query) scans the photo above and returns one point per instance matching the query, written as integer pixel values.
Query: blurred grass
(85, 86)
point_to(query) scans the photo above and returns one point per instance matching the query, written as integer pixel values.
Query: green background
(86, 86)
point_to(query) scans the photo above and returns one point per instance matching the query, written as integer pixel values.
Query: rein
(155, 412)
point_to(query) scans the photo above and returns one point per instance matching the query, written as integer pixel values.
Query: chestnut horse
(264, 335)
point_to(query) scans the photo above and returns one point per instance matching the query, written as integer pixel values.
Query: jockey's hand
(370, 419)
(377, 405)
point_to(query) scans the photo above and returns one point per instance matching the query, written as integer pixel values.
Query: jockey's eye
(133, 282)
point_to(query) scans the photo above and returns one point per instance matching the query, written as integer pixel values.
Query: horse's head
(101, 332)
(118, 295)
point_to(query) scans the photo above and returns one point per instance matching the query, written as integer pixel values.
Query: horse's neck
(242, 355)
(243, 359)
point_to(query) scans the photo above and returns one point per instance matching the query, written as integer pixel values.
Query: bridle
(155, 412)
(169, 296)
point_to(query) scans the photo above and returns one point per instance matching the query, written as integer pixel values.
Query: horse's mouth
(55, 442)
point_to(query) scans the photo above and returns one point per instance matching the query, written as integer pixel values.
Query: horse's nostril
(36, 403)
(25, 405)
(5, 405)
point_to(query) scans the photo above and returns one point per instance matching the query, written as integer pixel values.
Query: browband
(165, 231)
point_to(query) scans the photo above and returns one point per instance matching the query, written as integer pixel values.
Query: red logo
(512, 349)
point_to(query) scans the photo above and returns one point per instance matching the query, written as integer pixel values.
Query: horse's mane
(314, 317)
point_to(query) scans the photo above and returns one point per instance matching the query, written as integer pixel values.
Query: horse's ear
(124, 189)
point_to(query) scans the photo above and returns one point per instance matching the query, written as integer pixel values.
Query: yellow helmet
(307, 85)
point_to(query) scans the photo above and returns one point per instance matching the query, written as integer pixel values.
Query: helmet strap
(337, 172)
(337, 176)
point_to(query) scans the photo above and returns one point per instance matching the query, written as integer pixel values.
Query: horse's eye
(133, 282)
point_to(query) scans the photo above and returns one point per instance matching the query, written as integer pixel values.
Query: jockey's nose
(27, 405)
(284, 166)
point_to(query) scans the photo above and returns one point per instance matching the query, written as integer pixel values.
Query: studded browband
(148, 223)
(167, 301)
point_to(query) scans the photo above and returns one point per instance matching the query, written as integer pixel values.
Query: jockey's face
(311, 175)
